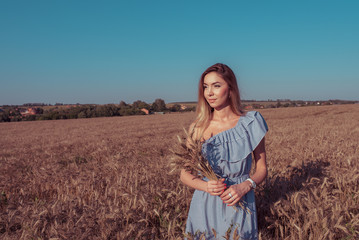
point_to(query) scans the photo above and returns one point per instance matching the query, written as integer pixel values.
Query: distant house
(248, 107)
(23, 111)
(29, 111)
(146, 111)
(183, 107)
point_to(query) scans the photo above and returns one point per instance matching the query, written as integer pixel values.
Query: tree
(175, 108)
(107, 110)
(126, 111)
(39, 111)
(159, 105)
(122, 104)
(4, 117)
(140, 104)
(81, 115)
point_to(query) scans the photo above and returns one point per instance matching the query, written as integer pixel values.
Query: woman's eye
(204, 87)
(217, 86)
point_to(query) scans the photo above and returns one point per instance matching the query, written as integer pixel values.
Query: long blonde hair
(204, 110)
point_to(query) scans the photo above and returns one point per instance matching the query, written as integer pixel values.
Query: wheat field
(107, 178)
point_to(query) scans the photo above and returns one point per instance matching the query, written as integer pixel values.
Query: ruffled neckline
(238, 131)
(225, 131)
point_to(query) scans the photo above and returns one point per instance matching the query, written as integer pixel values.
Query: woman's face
(216, 91)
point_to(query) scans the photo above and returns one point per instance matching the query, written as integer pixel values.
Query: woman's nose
(210, 92)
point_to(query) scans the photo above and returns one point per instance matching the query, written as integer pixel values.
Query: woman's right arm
(214, 188)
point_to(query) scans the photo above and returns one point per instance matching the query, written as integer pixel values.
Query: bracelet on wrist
(253, 184)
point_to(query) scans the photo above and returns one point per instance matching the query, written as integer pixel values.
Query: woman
(229, 137)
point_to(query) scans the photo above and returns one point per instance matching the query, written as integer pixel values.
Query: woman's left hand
(234, 193)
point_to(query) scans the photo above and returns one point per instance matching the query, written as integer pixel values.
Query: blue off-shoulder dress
(229, 153)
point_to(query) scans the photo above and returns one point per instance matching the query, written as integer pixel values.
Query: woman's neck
(223, 114)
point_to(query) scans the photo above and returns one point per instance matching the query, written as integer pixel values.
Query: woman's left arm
(261, 163)
(239, 190)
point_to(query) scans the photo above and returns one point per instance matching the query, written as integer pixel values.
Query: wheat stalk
(188, 155)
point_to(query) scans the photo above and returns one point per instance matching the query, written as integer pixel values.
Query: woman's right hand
(216, 188)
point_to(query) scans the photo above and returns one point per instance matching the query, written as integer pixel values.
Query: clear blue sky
(107, 51)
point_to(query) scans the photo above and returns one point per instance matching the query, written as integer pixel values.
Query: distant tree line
(63, 111)
(280, 103)
(41, 111)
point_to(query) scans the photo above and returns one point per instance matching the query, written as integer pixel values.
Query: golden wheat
(105, 178)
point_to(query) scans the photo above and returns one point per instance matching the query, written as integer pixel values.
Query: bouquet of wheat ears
(188, 155)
